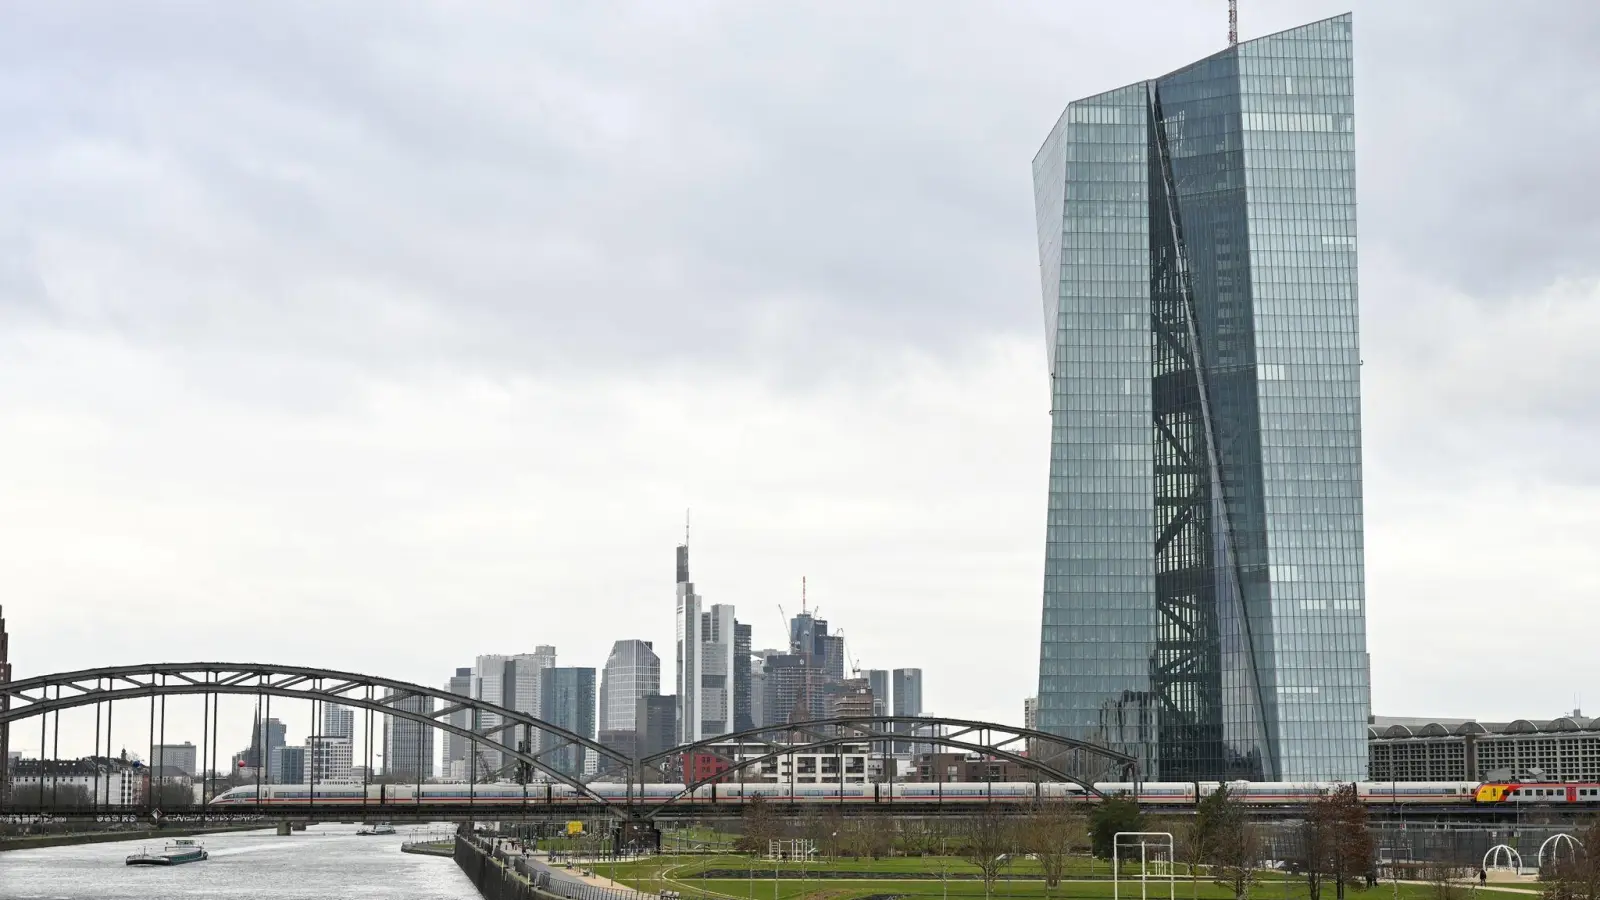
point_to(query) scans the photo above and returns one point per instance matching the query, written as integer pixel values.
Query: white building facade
(103, 781)
(854, 763)
(328, 760)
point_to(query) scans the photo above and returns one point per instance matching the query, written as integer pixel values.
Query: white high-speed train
(1264, 793)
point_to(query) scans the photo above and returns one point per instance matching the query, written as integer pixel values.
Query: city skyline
(385, 421)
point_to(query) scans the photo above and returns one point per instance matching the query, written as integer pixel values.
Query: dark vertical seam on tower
(1186, 294)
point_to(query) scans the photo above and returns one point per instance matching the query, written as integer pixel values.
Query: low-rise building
(1566, 748)
(968, 767)
(821, 766)
(96, 780)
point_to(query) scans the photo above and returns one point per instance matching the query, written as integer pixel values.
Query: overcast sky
(378, 336)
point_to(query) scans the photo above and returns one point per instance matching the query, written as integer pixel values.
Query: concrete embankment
(502, 875)
(37, 841)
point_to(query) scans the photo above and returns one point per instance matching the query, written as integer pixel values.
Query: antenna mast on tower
(1233, 23)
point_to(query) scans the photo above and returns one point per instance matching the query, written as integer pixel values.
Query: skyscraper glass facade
(568, 702)
(1203, 600)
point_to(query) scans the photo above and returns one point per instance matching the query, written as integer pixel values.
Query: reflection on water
(324, 862)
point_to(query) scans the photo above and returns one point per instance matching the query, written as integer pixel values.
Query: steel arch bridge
(1049, 757)
(46, 694)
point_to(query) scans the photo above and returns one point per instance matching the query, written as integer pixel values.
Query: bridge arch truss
(1047, 756)
(47, 694)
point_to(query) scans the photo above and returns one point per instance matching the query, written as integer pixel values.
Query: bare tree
(761, 826)
(1444, 879)
(1188, 846)
(833, 829)
(1051, 832)
(987, 840)
(1230, 843)
(879, 837)
(1335, 842)
(1575, 875)
(47, 797)
(915, 837)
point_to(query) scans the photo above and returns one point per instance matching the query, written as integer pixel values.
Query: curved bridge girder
(33, 697)
(961, 726)
(965, 726)
(866, 730)
(837, 740)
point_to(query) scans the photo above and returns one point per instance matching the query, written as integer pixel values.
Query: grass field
(1087, 881)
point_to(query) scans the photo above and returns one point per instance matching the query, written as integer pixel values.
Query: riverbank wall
(502, 875)
(39, 841)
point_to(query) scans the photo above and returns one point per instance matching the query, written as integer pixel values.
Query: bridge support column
(283, 828)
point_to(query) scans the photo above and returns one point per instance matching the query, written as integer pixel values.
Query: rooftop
(1405, 727)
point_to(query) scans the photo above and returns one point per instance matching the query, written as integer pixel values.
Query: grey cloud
(564, 186)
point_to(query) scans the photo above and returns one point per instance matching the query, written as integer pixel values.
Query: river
(324, 862)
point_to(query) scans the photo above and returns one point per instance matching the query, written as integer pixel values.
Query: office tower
(408, 745)
(706, 661)
(656, 722)
(456, 748)
(907, 702)
(758, 692)
(181, 757)
(568, 702)
(717, 670)
(688, 652)
(489, 685)
(291, 765)
(908, 692)
(742, 720)
(633, 670)
(823, 657)
(1203, 591)
(878, 681)
(268, 734)
(338, 721)
(522, 690)
(1030, 713)
(809, 637)
(787, 684)
(511, 682)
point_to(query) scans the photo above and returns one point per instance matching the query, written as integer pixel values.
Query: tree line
(1332, 848)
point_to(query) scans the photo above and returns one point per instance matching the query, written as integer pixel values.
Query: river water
(324, 862)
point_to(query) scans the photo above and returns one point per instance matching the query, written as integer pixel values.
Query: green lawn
(1088, 880)
(689, 866)
(690, 839)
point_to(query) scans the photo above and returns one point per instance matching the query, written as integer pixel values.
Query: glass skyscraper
(1203, 597)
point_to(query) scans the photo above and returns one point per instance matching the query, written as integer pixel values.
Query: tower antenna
(802, 595)
(686, 526)
(1233, 23)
